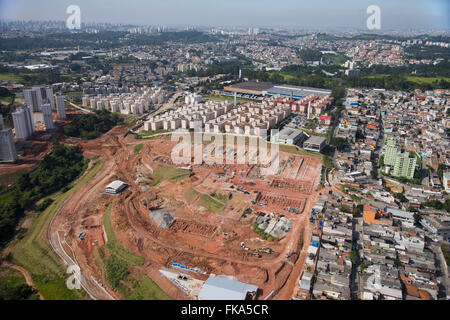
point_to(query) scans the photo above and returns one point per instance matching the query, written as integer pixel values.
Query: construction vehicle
(265, 250)
(155, 204)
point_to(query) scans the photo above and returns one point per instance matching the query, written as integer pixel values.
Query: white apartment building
(61, 108)
(23, 123)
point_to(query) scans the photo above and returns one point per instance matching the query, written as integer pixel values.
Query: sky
(395, 14)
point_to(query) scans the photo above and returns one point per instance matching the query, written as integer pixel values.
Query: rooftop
(219, 288)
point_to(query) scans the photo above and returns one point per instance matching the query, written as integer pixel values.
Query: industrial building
(315, 144)
(61, 108)
(23, 122)
(288, 136)
(221, 288)
(116, 187)
(268, 89)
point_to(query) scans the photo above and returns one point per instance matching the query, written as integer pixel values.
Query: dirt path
(25, 274)
(290, 288)
(119, 163)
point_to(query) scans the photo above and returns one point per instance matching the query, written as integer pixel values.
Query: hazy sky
(395, 14)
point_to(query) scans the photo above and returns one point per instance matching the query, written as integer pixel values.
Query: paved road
(443, 276)
(90, 285)
(167, 105)
(79, 108)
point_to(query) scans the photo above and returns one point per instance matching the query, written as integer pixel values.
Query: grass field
(8, 179)
(10, 283)
(114, 246)
(168, 173)
(151, 133)
(210, 204)
(147, 289)
(190, 194)
(219, 196)
(418, 80)
(426, 80)
(138, 148)
(7, 100)
(34, 254)
(112, 254)
(338, 59)
(11, 77)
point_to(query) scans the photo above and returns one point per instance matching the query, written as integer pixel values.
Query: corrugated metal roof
(219, 288)
(116, 185)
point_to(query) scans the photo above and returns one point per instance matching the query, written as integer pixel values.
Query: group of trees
(438, 204)
(59, 168)
(14, 288)
(92, 126)
(339, 143)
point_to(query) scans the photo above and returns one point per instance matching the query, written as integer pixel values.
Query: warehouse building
(116, 187)
(220, 288)
(268, 89)
(288, 136)
(315, 144)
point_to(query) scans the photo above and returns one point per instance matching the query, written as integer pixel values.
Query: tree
(401, 197)
(339, 143)
(417, 217)
(362, 267)
(353, 257)
(75, 67)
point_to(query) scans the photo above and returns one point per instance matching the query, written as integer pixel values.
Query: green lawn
(168, 173)
(14, 287)
(210, 204)
(34, 254)
(138, 148)
(337, 58)
(417, 79)
(114, 246)
(112, 256)
(11, 77)
(10, 178)
(7, 100)
(219, 196)
(151, 133)
(426, 80)
(147, 289)
(190, 194)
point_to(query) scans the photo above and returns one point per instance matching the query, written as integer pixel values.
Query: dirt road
(25, 274)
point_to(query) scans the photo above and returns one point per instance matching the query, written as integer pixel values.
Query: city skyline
(430, 14)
